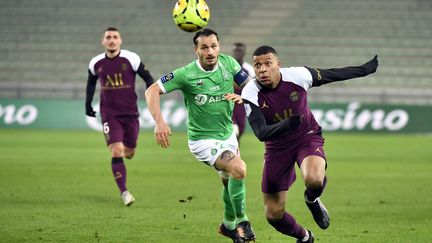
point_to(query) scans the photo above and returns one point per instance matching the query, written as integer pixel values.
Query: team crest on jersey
(124, 66)
(226, 75)
(294, 96)
(167, 77)
(213, 151)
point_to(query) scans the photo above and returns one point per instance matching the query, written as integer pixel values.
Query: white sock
(307, 200)
(306, 238)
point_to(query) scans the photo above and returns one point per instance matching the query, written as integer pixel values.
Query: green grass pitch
(56, 186)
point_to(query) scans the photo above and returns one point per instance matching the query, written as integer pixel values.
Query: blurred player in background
(116, 70)
(278, 112)
(239, 115)
(211, 138)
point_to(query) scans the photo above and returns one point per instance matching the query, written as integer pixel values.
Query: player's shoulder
(298, 75)
(94, 61)
(124, 52)
(250, 91)
(182, 72)
(191, 67)
(97, 58)
(252, 85)
(229, 62)
(295, 73)
(129, 54)
(226, 58)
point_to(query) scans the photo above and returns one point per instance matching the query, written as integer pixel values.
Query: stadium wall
(338, 117)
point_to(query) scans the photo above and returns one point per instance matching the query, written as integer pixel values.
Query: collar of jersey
(202, 69)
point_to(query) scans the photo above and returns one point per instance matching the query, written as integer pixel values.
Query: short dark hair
(111, 28)
(204, 32)
(262, 50)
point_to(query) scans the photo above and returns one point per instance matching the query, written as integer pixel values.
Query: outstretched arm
(259, 125)
(325, 76)
(90, 90)
(145, 75)
(162, 130)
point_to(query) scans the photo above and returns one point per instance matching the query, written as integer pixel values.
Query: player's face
(207, 50)
(112, 41)
(266, 69)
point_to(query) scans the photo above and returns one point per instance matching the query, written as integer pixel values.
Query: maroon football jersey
(117, 81)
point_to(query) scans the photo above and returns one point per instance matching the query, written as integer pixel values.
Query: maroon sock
(288, 226)
(314, 193)
(119, 172)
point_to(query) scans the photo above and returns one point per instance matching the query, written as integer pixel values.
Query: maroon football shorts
(121, 129)
(279, 172)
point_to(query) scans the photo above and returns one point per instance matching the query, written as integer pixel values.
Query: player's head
(111, 40)
(239, 50)
(207, 47)
(266, 65)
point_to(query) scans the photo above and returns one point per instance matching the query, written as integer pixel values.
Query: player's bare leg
(119, 171)
(129, 152)
(282, 221)
(313, 173)
(237, 228)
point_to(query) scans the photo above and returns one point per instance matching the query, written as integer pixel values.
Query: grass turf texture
(57, 186)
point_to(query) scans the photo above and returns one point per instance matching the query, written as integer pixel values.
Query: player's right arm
(162, 131)
(261, 129)
(90, 90)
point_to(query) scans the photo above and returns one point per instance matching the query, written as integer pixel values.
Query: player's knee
(129, 155)
(117, 150)
(239, 171)
(273, 213)
(314, 181)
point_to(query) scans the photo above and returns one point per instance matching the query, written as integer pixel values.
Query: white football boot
(128, 199)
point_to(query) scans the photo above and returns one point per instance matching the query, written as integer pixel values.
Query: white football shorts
(208, 150)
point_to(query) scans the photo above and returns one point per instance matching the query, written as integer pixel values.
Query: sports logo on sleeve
(167, 77)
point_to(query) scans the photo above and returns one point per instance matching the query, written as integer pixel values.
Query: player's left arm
(241, 78)
(145, 75)
(325, 76)
(264, 131)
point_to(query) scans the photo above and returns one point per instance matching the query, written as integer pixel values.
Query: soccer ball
(191, 15)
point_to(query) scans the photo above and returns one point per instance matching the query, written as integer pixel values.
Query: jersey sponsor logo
(294, 96)
(117, 81)
(286, 114)
(167, 77)
(201, 99)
